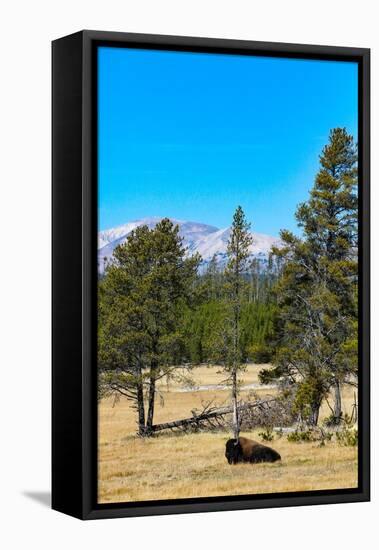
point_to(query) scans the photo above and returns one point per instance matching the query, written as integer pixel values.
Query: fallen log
(197, 421)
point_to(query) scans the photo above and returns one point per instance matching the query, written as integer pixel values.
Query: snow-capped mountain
(205, 239)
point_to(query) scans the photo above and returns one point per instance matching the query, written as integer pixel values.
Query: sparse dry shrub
(267, 434)
(347, 437)
(274, 412)
(309, 435)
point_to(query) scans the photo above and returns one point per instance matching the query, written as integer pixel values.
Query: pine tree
(316, 291)
(141, 302)
(210, 280)
(255, 275)
(330, 223)
(227, 344)
(238, 253)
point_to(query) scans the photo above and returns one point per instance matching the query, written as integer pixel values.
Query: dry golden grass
(210, 375)
(171, 466)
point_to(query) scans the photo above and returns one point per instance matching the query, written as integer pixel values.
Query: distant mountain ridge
(205, 239)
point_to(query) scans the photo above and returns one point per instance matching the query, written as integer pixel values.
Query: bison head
(233, 451)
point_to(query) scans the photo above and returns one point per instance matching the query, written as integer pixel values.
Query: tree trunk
(337, 403)
(141, 410)
(236, 428)
(315, 411)
(140, 400)
(151, 399)
(235, 407)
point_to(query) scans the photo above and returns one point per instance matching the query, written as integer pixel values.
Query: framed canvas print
(210, 275)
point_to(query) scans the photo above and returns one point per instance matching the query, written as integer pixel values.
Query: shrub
(332, 421)
(267, 434)
(300, 436)
(347, 437)
(310, 435)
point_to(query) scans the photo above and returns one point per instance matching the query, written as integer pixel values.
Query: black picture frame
(74, 273)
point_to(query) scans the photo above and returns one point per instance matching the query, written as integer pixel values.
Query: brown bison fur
(247, 450)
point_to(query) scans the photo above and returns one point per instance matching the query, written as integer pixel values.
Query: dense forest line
(296, 311)
(206, 318)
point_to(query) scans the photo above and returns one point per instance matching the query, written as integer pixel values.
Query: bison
(247, 450)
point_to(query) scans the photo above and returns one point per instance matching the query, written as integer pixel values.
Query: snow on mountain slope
(216, 243)
(110, 235)
(205, 239)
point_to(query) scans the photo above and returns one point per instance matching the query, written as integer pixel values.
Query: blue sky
(192, 135)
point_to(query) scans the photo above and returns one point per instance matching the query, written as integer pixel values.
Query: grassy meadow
(177, 465)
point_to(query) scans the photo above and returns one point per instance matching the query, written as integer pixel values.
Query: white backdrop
(26, 31)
